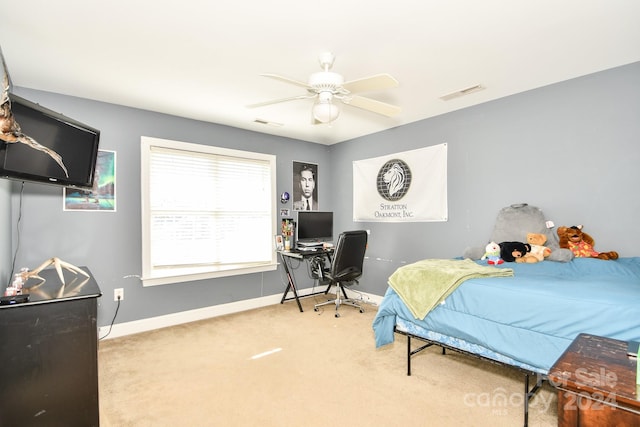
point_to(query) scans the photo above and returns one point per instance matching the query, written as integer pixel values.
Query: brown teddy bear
(538, 251)
(581, 244)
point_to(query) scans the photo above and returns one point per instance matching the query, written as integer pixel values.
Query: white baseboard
(144, 325)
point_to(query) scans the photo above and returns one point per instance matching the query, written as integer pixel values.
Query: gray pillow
(512, 225)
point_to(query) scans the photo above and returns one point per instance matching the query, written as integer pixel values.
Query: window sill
(173, 276)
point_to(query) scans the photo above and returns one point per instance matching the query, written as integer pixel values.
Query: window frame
(151, 276)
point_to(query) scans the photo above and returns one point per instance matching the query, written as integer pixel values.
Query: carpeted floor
(275, 366)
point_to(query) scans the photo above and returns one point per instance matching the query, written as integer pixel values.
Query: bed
(524, 318)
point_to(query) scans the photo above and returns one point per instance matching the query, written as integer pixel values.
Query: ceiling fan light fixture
(325, 112)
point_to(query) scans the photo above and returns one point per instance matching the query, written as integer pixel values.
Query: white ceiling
(203, 59)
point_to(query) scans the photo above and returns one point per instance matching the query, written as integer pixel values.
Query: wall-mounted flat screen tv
(75, 142)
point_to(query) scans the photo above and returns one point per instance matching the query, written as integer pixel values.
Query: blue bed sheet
(532, 317)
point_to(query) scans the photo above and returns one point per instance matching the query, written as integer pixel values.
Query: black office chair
(346, 267)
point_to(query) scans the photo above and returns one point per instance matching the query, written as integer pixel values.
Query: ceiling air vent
(266, 122)
(462, 92)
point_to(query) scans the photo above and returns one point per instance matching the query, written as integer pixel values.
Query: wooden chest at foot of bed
(596, 383)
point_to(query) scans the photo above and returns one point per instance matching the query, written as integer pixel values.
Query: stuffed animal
(514, 251)
(581, 244)
(492, 254)
(512, 225)
(538, 250)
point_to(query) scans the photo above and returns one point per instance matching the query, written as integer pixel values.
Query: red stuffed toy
(581, 244)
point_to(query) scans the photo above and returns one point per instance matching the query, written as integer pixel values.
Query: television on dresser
(75, 142)
(314, 228)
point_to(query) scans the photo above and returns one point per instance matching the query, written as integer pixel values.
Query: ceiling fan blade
(372, 105)
(287, 80)
(276, 101)
(372, 83)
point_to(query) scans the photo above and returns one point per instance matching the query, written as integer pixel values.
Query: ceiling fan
(326, 86)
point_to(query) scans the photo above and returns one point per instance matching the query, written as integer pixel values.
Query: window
(206, 211)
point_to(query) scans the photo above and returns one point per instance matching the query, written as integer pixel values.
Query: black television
(314, 227)
(75, 142)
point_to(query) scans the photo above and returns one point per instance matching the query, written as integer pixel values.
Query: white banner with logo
(403, 187)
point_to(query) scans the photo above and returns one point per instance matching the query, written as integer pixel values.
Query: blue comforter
(531, 317)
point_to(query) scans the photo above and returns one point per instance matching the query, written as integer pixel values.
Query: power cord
(112, 321)
(292, 269)
(15, 254)
(364, 299)
(317, 267)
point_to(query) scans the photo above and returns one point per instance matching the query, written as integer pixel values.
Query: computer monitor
(314, 227)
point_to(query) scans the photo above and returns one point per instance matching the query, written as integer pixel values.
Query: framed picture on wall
(102, 197)
(279, 242)
(305, 186)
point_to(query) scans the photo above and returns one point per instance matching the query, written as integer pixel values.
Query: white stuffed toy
(492, 254)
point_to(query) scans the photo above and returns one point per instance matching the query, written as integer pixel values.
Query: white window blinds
(208, 210)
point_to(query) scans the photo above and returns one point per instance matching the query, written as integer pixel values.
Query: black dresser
(49, 353)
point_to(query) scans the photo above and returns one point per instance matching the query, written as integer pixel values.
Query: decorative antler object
(10, 131)
(58, 264)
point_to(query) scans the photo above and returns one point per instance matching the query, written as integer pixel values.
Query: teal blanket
(425, 284)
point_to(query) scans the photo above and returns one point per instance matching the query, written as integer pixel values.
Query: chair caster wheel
(361, 311)
(337, 314)
(315, 308)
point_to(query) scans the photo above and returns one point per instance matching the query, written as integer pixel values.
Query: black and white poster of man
(305, 186)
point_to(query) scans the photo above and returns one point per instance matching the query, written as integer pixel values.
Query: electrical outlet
(118, 294)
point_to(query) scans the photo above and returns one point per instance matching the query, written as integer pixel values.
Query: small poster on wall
(102, 197)
(305, 189)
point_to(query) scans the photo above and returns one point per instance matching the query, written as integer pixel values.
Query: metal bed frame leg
(411, 353)
(528, 393)
(526, 400)
(408, 356)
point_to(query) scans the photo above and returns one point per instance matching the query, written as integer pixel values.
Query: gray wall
(570, 148)
(110, 243)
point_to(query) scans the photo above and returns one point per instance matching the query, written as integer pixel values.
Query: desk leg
(291, 285)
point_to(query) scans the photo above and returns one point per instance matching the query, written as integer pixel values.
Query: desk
(286, 257)
(49, 354)
(596, 383)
